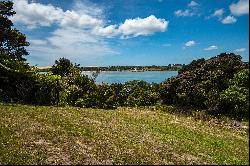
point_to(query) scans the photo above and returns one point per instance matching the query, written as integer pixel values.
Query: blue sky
(132, 32)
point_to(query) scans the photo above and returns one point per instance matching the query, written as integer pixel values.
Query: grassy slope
(54, 135)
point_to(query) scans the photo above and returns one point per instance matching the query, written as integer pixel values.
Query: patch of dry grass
(70, 135)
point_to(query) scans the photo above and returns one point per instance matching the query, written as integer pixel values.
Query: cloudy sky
(132, 32)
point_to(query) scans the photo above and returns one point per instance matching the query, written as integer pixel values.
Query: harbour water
(121, 77)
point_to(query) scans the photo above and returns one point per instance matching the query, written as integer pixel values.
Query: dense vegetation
(207, 84)
(218, 85)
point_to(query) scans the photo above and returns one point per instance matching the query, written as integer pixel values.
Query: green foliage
(12, 42)
(17, 87)
(16, 83)
(48, 89)
(200, 83)
(236, 96)
(140, 93)
(193, 65)
(64, 67)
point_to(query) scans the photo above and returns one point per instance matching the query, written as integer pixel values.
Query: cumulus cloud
(143, 26)
(193, 3)
(190, 43)
(240, 50)
(72, 18)
(109, 31)
(134, 27)
(36, 14)
(183, 13)
(240, 8)
(229, 20)
(71, 38)
(79, 33)
(73, 43)
(211, 48)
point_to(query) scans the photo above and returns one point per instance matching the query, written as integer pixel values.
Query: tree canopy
(64, 67)
(12, 42)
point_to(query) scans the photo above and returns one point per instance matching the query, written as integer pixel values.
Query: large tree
(64, 67)
(12, 42)
(15, 82)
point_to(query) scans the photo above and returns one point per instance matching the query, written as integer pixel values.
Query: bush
(235, 99)
(17, 81)
(200, 84)
(48, 89)
(140, 93)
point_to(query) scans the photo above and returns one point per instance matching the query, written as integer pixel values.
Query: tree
(12, 42)
(16, 84)
(64, 67)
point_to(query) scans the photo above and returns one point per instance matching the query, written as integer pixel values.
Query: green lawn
(70, 135)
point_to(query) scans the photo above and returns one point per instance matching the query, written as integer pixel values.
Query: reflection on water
(121, 77)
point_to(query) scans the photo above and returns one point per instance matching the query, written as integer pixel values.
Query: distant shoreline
(128, 71)
(89, 71)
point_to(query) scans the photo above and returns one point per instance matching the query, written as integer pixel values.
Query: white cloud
(72, 18)
(218, 13)
(190, 43)
(184, 13)
(134, 27)
(229, 20)
(211, 48)
(72, 38)
(73, 43)
(190, 11)
(36, 14)
(240, 50)
(38, 42)
(240, 8)
(143, 26)
(193, 3)
(109, 31)
(80, 33)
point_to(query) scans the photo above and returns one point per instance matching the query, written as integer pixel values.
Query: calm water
(121, 77)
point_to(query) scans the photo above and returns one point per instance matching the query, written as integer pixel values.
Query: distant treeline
(170, 67)
(174, 67)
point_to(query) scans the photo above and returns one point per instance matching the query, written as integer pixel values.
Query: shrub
(235, 99)
(200, 84)
(140, 93)
(48, 89)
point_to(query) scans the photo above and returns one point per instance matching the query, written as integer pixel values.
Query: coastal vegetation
(64, 117)
(218, 85)
(170, 67)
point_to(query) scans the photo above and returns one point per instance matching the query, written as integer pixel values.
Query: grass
(70, 135)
